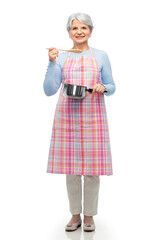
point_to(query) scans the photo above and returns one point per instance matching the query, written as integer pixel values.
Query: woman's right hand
(53, 53)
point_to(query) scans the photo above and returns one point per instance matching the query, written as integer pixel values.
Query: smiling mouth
(79, 36)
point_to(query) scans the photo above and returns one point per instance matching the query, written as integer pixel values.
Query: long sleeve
(106, 75)
(53, 78)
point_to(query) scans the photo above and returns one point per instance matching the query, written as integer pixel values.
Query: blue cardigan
(53, 77)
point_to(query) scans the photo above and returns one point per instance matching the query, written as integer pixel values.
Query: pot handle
(90, 90)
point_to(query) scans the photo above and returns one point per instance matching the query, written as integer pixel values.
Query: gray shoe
(87, 227)
(72, 227)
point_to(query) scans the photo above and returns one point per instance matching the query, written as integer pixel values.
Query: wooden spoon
(70, 50)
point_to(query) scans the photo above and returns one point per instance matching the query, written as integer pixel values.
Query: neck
(83, 47)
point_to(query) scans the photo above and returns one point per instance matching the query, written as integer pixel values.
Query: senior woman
(80, 142)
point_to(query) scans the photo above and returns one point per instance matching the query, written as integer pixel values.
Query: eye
(74, 28)
(84, 27)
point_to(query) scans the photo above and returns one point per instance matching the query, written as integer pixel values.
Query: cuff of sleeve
(52, 63)
(109, 88)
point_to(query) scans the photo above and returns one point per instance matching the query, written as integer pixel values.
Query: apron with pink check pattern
(80, 137)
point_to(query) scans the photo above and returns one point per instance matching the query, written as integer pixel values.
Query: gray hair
(82, 17)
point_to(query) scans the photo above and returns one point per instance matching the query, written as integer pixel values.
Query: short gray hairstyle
(82, 17)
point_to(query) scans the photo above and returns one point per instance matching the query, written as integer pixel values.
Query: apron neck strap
(69, 54)
(92, 52)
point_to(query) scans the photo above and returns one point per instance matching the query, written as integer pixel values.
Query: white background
(34, 204)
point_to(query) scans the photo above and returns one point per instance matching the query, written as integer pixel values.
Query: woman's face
(79, 32)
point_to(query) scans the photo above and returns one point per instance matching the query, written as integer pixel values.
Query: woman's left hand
(98, 88)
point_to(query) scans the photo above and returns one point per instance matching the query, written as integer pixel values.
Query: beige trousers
(90, 194)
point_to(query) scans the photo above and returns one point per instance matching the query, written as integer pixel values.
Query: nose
(79, 31)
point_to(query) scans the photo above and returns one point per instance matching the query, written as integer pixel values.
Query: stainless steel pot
(75, 91)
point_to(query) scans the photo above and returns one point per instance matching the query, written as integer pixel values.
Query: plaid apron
(80, 137)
